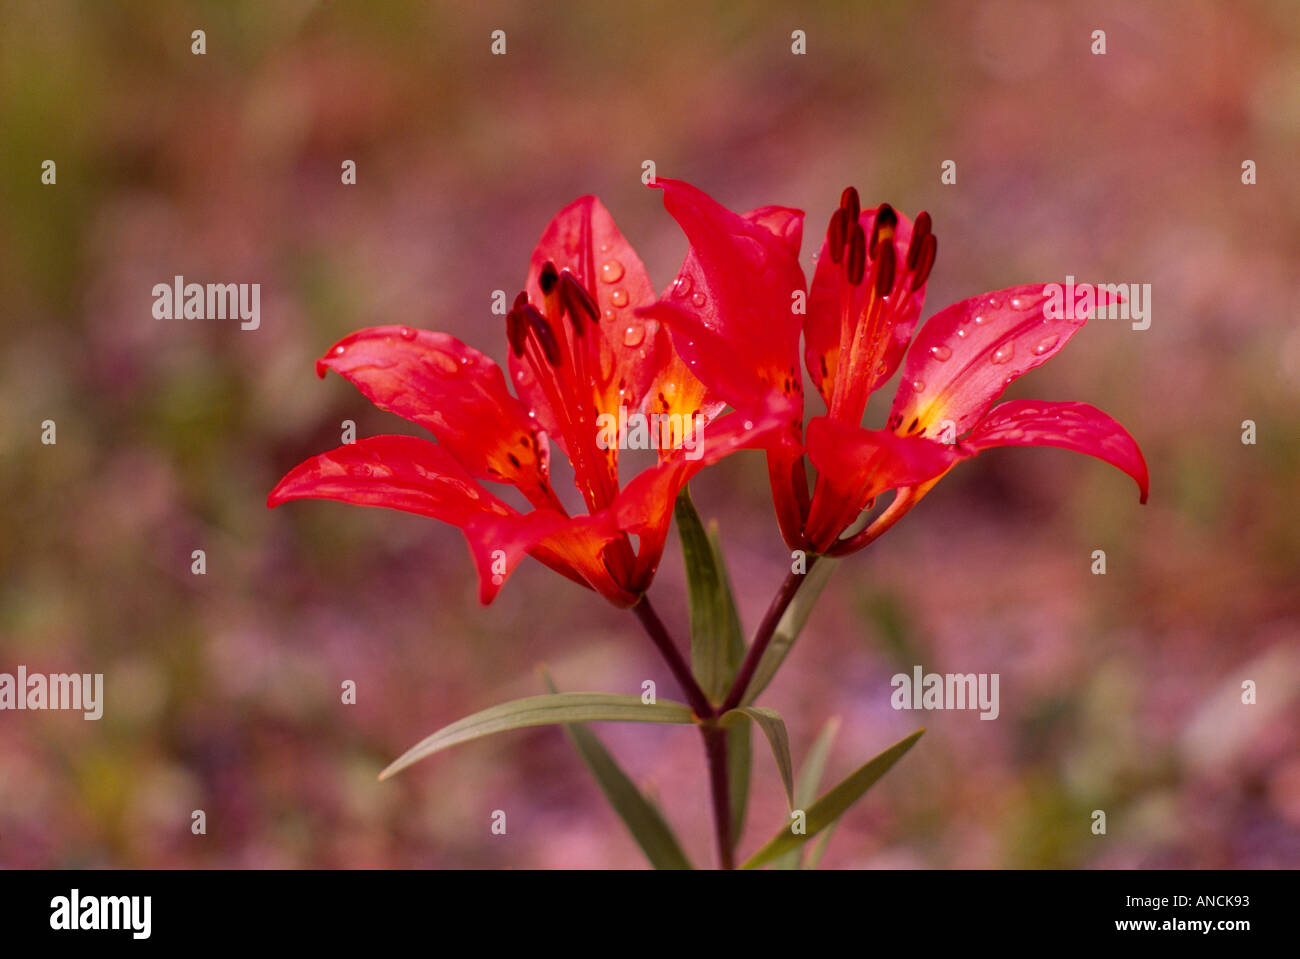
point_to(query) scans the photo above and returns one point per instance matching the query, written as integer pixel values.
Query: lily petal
(584, 239)
(968, 353)
(1071, 426)
(414, 475)
(731, 309)
(822, 328)
(858, 465)
(455, 392)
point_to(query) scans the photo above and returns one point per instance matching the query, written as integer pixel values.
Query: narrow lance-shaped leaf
(740, 750)
(834, 804)
(740, 754)
(807, 781)
(543, 711)
(773, 728)
(790, 625)
(715, 630)
(642, 818)
(735, 638)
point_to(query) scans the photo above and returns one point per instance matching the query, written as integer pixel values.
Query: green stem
(672, 656)
(766, 629)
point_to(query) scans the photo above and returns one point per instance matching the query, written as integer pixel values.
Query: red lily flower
(580, 354)
(731, 314)
(864, 304)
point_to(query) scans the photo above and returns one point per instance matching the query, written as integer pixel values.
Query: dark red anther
(925, 261)
(549, 277)
(545, 336)
(886, 220)
(920, 230)
(885, 270)
(855, 266)
(836, 234)
(850, 205)
(517, 328)
(577, 302)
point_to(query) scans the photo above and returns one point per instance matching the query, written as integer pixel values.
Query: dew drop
(441, 362)
(918, 386)
(611, 271)
(604, 248)
(697, 299)
(1002, 354)
(1045, 344)
(994, 303)
(749, 424)
(940, 353)
(406, 333)
(682, 286)
(962, 334)
(609, 315)
(981, 319)
(634, 334)
(338, 350)
(618, 297)
(1021, 302)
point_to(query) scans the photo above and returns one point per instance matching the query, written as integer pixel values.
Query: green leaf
(543, 711)
(740, 752)
(736, 647)
(835, 803)
(808, 781)
(819, 847)
(773, 726)
(715, 629)
(642, 818)
(791, 623)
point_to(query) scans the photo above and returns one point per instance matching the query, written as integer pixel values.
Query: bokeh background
(1118, 692)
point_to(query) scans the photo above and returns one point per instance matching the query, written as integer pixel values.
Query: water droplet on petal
(441, 362)
(1045, 344)
(1021, 302)
(918, 386)
(634, 334)
(618, 297)
(682, 286)
(749, 424)
(994, 303)
(697, 299)
(338, 350)
(981, 319)
(406, 333)
(609, 315)
(604, 248)
(940, 353)
(962, 334)
(611, 271)
(1002, 354)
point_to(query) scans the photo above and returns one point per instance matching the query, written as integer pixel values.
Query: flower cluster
(720, 348)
